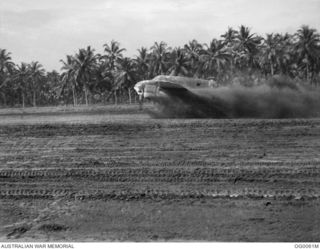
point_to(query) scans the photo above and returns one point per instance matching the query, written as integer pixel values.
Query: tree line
(88, 77)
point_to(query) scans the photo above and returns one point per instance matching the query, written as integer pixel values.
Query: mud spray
(271, 99)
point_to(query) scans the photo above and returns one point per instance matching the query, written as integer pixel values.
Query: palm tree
(247, 47)
(159, 58)
(142, 63)
(6, 69)
(21, 79)
(5, 61)
(284, 54)
(269, 54)
(215, 58)
(230, 37)
(113, 53)
(180, 64)
(68, 77)
(36, 71)
(308, 50)
(193, 50)
(125, 75)
(85, 67)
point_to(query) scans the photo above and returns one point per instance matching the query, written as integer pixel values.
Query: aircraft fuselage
(156, 87)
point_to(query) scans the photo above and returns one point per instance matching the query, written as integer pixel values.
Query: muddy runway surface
(128, 177)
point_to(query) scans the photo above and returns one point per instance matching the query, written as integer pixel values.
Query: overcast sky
(47, 30)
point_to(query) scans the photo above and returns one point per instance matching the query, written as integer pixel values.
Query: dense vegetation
(88, 77)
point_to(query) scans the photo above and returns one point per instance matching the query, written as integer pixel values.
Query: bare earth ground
(115, 174)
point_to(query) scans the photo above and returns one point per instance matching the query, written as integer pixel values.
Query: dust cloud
(271, 99)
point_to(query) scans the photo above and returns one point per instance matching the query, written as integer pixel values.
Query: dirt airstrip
(116, 174)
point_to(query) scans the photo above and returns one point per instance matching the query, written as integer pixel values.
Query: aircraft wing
(200, 106)
(169, 85)
(172, 89)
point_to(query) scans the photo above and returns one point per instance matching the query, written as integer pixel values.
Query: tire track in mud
(291, 181)
(166, 174)
(255, 193)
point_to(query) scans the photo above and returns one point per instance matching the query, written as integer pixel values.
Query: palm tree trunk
(4, 99)
(33, 93)
(129, 93)
(74, 96)
(22, 99)
(115, 97)
(34, 98)
(312, 79)
(86, 94)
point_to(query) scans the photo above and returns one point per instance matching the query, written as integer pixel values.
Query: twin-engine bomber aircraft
(165, 85)
(174, 92)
